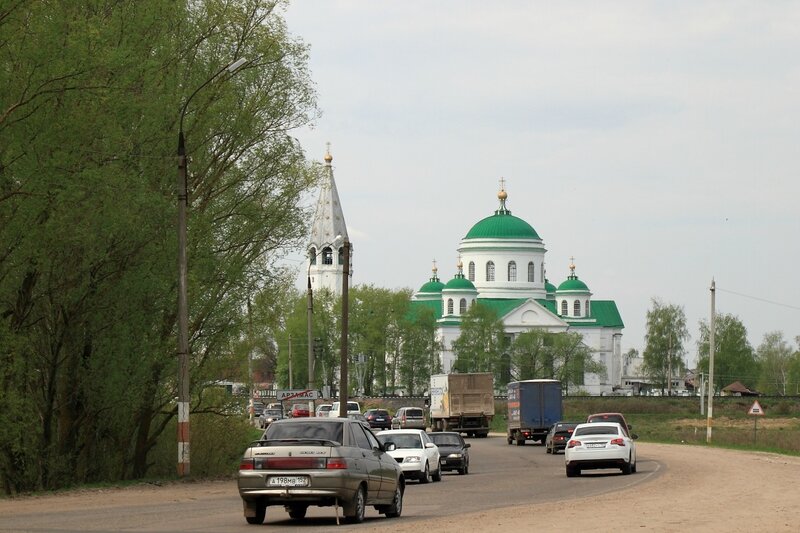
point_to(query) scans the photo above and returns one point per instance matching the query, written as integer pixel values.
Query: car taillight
(573, 443)
(618, 442)
(337, 463)
(246, 464)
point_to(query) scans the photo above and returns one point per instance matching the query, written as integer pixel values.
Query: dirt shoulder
(701, 489)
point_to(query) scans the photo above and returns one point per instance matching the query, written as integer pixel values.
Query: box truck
(533, 406)
(462, 403)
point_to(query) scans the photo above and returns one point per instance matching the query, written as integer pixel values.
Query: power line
(759, 299)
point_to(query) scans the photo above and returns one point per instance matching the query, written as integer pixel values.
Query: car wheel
(521, 442)
(355, 514)
(426, 475)
(573, 471)
(437, 476)
(626, 468)
(394, 510)
(298, 512)
(261, 512)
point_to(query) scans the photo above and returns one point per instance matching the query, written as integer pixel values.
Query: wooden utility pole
(711, 349)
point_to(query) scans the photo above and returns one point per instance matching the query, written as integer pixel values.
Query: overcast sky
(656, 142)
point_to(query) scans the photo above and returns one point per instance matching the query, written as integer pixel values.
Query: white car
(323, 410)
(352, 408)
(600, 445)
(415, 451)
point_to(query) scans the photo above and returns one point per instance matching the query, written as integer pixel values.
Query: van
(409, 418)
(352, 408)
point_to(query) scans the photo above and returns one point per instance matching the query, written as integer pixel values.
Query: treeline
(771, 368)
(91, 95)
(394, 346)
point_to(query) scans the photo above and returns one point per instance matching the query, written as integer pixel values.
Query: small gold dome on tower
(328, 157)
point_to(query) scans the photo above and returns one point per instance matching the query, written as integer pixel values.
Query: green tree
(90, 95)
(776, 359)
(664, 349)
(418, 352)
(481, 345)
(572, 359)
(734, 358)
(532, 355)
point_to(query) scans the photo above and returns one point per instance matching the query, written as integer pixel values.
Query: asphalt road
(500, 476)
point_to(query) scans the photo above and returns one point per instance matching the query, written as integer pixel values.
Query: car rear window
(414, 413)
(596, 430)
(311, 430)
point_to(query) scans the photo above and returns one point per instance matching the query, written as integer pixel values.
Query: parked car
(415, 451)
(453, 451)
(409, 418)
(352, 407)
(268, 416)
(257, 408)
(557, 437)
(323, 410)
(300, 410)
(304, 461)
(378, 418)
(599, 445)
(611, 417)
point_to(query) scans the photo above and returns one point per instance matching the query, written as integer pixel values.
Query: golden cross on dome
(502, 184)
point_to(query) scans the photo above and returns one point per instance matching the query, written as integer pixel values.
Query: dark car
(453, 451)
(302, 462)
(378, 418)
(558, 436)
(611, 417)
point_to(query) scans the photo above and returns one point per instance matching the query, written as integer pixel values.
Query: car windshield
(272, 412)
(596, 430)
(401, 441)
(445, 440)
(311, 430)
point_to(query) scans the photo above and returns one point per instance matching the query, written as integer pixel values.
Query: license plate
(379, 419)
(287, 481)
(596, 445)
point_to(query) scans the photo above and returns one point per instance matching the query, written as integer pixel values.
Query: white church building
(502, 266)
(504, 260)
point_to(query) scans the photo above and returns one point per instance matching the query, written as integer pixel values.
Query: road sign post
(755, 411)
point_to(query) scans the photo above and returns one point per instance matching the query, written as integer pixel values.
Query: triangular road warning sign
(756, 409)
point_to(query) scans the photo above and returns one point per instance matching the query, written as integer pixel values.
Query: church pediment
(532, 315)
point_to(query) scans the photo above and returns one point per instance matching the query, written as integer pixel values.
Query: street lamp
(183, 305)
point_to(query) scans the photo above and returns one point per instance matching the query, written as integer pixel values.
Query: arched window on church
(471, 271)
(541, 272)
(490, 271)
(462, 306)
(312, 255)
(449, 306)
(564, 308)
(531, 272)
(577, 308)
(512, 271)
(341, 255)
(327, 256)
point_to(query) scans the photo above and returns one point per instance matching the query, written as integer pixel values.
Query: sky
(657, 143)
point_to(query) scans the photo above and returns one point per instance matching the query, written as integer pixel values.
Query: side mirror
(634, 436)
(389, 447)
(430, 445)
(467, 445)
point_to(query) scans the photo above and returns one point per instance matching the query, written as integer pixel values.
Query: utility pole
(711, 349)
(345, 314)
(290, 362)
(309, 331)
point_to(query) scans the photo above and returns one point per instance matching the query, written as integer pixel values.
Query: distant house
(737, 389)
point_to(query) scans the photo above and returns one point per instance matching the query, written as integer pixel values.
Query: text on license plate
(287, 481)
(596, 445)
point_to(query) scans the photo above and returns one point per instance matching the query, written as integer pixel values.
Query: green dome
(573, 284)
(502, 225)
(433, 285)
(549, 287)
(459, 283)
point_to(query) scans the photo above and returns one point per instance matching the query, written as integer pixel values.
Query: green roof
(459, 283)
(549, 287)
(604, 313)
(572, 283)
(432, 286)
(416, 307)
(502, 306)
(502, 225)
